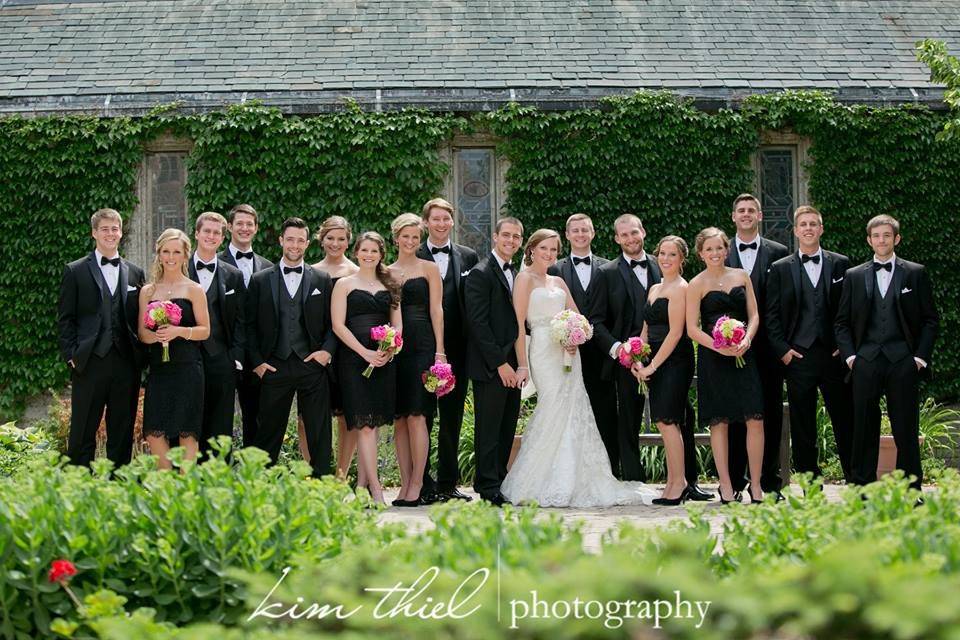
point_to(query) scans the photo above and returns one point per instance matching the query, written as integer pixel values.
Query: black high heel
(722, 501)
(753, 499)
(673, 502)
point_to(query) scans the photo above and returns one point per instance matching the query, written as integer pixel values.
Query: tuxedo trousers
(771, 381)
(112, 383)
(603, 402)
(450, 418)
(311, 383)
(496, 409)
(899, 382)
(818, 369)
(248, 395)
(630, 404)
(219, 387)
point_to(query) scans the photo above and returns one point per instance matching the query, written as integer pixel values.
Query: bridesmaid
(422, 312)
(334, 236)
(173, 400)
(361, 301)
(726, 392)
(670, 370)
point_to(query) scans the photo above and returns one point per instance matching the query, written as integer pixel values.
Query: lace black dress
(671, 381)
(419, 349)
(725, 392)
(367, 402)
(173, 400)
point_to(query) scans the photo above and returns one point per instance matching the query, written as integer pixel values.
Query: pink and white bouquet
(439, 379)
(634, 350)
(570, 329)
(162, 313)
(388, 338)
(729, 332)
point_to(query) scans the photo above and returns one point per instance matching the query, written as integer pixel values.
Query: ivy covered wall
(650, 153)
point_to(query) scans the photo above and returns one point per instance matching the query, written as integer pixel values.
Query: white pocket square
(131, 288)
(315, 292)
(465, 273)
(230, 293)
(906, 290)
(840, 279)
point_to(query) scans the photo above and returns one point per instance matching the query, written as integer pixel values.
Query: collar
(589, 255)
(98, 256)
(234, 250)
(430, 245)
(893, 258)
(643, 256)
(737, 240)
(500, 261)
(819, 252)
(283, 263)
(197, 258)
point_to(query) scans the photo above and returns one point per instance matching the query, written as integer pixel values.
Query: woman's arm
(201, 314)
(753, 315)
(521, 298)
(436, 307)
(694, 294)
(147, 336)
(571, 303)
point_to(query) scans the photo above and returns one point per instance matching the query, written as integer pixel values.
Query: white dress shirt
(292, 279)
(442, 259)
(205, 276)
(640, 272)
(111, 274)
(812, 268)
(244, 264)
(507, 273)
(583, 270)
(748, 257)
(884, 277)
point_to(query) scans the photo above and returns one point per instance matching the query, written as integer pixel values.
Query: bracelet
(439, 354)
(190, 334)
(522, 369)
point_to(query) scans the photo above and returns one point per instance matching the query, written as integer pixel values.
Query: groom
(491, 359)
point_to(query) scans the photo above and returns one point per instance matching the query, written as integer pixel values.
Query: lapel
(192, 269)
(218, 282)
(594, 270)
(306, 285)
(733, 257)
(122, 281)
(896, 282)
(227, 257)
(423, 252)
(275, 284)
(759, 265)
(97, 275)
(626, 273)
(796, 269)
(826, 273)
(454, 263)
(870, 280)
(498, 272)
(653, 273)
(568, 272)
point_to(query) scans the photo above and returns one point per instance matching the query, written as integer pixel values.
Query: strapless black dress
(419, 350)
(367, 402)
(670, 383)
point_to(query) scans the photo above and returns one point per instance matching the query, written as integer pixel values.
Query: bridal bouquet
(570, 329)
(729, 332)
(388, 338)
(439, 379)
(634, 350)
(161, 313)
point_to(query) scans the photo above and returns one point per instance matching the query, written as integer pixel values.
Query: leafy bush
(19, 446)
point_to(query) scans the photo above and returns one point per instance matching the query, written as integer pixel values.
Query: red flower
(61, 571)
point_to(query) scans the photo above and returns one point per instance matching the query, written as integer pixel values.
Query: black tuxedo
(800, 316)
(602, 394)
(276, 324)
(617, 314)
(222, 350)
(248, 383)
(886, 333)
(492, 328)
(450, 406)
(98, 332)
(771, 379)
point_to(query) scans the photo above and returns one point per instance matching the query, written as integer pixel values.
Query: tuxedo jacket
(259, 262)
(783, 290)
(611, 312)
(491, 320)
(230, 293)
(263, 312)
(462, 260)
(913, 297)
(768, 252)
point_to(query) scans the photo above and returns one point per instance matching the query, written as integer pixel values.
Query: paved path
(596, 522)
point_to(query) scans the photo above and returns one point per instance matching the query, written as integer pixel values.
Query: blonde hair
(383, 275)
(626, 217)
(156, 269)
(331, 224)
(436, 203)
(105, 214)
(536, 238)
(681, 245)
(403, 221)
(806, 210)
(882, 219)
(210, 216)
(577, 217)
(708, 234)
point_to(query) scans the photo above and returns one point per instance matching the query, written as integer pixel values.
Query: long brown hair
(392, 286)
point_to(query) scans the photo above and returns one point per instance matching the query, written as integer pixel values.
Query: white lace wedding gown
(562, 462)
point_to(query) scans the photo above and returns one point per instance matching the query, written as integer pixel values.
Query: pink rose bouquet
(162, 313)
(729, 332)
(634, 350)
(439, 379)
(388, 338)
(570, 329)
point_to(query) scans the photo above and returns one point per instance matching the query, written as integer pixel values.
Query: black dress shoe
(405, 503)
(697, 494)
(430, 498)
(456, 494)
(498, 500)
(737, 496)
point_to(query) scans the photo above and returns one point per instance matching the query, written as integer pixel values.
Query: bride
(562, 462)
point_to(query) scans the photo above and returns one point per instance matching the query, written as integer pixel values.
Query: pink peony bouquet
(439, 379)
(570, 329)
(388, 338)
(161, 313)
(634, 350)
(729, 332)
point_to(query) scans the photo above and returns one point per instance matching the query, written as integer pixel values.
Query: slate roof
(115, 56)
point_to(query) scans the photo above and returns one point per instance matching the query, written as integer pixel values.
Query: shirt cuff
(613, 350)
(850, 360)
(921, 362)
(238, 365)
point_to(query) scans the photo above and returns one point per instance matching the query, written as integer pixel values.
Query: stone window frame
(800, 146)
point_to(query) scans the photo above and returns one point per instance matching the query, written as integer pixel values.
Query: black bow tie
(436, 250)
(104, 260)
(804, 259)
(638, 263)
(245, 254)
(577, 260)
(886, 266)
(507, 266)
(744, 246)
(287, 270)
(204, 265)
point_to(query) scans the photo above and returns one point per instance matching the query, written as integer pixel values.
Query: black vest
(884, 334)
(812, 321)
(217, 342)
(114, 332)
(293, 336)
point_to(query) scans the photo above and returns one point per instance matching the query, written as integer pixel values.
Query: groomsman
(97, 318)
(754, 254)
(492, 359)
(242, 224)
(454, 261)
(223, 350)
(803, 294)
(290, 343)
(885, 327)
(617, 314)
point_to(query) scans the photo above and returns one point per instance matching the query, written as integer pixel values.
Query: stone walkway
(596, 522)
